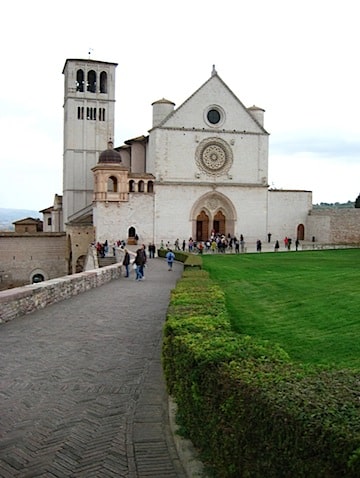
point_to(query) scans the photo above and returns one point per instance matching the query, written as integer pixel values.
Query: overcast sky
(297, 60)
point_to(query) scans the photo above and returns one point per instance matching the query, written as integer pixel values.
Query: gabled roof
(47, 210)
(28, 221)
(213, 75)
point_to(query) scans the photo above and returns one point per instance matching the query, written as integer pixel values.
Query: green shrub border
(249, 410)
(190, 261)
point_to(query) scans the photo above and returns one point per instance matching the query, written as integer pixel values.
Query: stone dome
(110, 155)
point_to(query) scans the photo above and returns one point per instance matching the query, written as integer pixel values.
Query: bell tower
(89, 119)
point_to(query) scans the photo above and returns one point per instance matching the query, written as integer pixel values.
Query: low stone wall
(24, 300)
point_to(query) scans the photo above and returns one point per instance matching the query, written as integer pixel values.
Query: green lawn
(308, 302)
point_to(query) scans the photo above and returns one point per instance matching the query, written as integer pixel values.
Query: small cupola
(110, 155)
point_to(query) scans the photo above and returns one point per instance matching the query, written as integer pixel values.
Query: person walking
(170, 257)
(140, 262)
(126, 262)
(277, 245)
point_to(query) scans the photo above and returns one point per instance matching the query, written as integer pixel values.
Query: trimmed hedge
(190, 261)
(241, 401)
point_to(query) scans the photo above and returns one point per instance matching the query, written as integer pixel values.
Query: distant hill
(8, 216)
(336, 205)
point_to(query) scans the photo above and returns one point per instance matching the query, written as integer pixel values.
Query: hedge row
(190, 261)
(245, 406)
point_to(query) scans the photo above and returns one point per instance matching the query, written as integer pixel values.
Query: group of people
(217, 243)
(140, 260)
(138, 263)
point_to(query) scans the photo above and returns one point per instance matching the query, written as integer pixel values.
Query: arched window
(131, 232)
(112, 185)
(103, 82)
(150, 187)
(80, 80)
(91, 81)
(141, 187)
(132, 186)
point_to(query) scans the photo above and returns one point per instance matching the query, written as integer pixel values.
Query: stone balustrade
(24, 300)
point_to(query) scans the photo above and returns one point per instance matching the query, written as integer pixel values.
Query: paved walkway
(81, 386)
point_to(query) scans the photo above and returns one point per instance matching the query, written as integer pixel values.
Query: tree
(357, 202)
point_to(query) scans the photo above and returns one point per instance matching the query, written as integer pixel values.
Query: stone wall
(24, 300)
(336, 226)
(24, 255)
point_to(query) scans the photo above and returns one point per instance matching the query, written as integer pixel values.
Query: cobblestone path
(81, 386)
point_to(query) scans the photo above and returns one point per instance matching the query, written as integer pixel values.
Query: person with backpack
(170, 257)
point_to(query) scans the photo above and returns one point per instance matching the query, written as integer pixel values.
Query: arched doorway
(219, 223)
(80, 263)
(37, 278)
(212, 211)
(132, 236)
(202, 227)
(300, 232)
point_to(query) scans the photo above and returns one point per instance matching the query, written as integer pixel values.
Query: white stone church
(203, 167)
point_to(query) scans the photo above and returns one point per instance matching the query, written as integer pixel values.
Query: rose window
(214, 156)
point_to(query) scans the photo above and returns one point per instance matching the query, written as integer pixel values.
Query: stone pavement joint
(82, 392)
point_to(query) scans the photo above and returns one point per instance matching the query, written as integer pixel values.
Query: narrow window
(49, 221)
(91, 81)
(132, 186)
(150, 187)
(101, 114)
(141, 186)
(80, 80)
(80, 112)
(103, 82)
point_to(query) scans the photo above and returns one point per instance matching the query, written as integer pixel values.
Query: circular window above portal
(214, 116)
(214, 156)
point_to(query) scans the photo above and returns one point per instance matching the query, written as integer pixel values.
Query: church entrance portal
(212, 213)
(202, 225)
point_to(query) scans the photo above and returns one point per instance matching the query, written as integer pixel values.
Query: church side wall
(288, 209)
(22, 256)
(113, 220)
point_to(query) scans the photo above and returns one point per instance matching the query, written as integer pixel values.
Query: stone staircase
(106, 261)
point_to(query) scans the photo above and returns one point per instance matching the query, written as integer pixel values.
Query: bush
(190, 261)
(243, 403)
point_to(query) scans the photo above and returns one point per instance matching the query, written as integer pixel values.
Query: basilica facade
(202, 167)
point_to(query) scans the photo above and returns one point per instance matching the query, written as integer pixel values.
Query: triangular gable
(190, 114)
